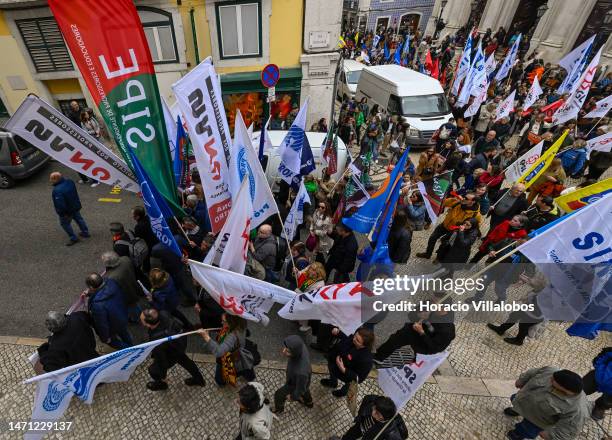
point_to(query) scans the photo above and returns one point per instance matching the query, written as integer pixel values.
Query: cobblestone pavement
(445, 408)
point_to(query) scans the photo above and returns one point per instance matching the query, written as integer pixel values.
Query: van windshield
(352, 77)
(427, 105)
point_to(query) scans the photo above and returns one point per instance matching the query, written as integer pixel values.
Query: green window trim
(219, 5)
(244, 82)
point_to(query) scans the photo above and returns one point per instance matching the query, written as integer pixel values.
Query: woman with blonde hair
(550, 183)
(309, 280)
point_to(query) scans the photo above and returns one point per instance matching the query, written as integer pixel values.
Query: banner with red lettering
(199, 98)
(108, 44)
(53, 133)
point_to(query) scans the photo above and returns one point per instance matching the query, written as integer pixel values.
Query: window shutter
(45, 44)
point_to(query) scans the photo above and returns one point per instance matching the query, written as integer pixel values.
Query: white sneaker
(81, 181)
(305, 329)
(93, 185)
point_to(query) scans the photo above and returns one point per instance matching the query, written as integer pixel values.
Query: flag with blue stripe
(180, 153)
(398, 54)
(508, 61)
(295, 150)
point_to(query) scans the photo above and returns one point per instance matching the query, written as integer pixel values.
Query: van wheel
(6, 181)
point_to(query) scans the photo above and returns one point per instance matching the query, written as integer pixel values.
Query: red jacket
(501, 232)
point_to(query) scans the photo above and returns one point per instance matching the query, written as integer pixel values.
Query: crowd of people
(145, 283)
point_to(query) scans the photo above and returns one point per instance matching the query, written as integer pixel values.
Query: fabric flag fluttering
(245, 165)
(505, 107)
(109, 46)
(156, 208)
(474, 77)
(359, 197)
(490, 65)
(464, 65)
(330, 152)
(574, 63)
(170, 123)
(509, 61)
(294, 146)
(180, 154)
(198, 94)
(520, 165)
(54, 390)
(296, 213)
(571, 107)
(478, 99)
(232, 244)
(602, 107)
(400, 384)
(538, 168)
(265, 143)
(434, 191)
(584, 196)
(534, 93)
(397, 58)
(238, 294)
(364, 219)
(600, 143)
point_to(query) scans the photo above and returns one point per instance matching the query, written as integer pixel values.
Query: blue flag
(296, 155)
(307, 164)
(262, 143)
(156, 208)
(398, 54)
(365, 218)
(387, 53)
(180, 153)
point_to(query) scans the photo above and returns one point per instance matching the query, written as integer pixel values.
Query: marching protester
(255, 414)
(298, 374)
(159, 325)
(455, 249)
(513, 229)
(165, 297)
(599, 379)
(71, 342)
(264, 249)
(343, 254)
(511, 203)
(68, 206)
(121, 270)
(320, 229)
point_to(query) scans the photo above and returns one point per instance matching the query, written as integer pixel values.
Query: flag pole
(346, 170)
(593, 128)
(288, 247)
(385, 426)
(181, 228)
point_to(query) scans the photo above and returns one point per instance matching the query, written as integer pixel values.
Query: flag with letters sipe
(109, 46)
(576, 258)
(54, 390)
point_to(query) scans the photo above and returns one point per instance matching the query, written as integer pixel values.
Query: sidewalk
(447, 407)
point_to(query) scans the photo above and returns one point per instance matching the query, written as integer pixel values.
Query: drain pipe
(194, 36)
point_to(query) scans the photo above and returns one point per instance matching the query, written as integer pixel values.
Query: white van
(349, 78)
(398, 90)
(314, 139)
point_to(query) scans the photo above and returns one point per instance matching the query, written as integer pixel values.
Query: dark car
(19, 159)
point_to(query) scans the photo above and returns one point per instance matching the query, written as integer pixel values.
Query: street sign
(270, 75)
(271, 94)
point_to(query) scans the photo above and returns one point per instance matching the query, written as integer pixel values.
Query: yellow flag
(341, 42)
(356, 38)
(538, 168)
(583, 196)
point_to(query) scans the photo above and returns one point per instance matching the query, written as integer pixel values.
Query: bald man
(264, 249)
(512, 203)
(68, 206)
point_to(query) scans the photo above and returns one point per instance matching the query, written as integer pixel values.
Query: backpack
(281, 254)
(139, 251)
(252, 347)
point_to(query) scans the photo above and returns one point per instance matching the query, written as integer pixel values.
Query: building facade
(241, 36)
(554, 27)
(400, 15)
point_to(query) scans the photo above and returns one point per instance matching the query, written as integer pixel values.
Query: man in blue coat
(108, 311)
(68, 206)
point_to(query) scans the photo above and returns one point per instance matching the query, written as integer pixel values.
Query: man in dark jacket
(121, 270)
(481, 160)
(108, 311)
(72, 341)
(299, 371)
(512, 203)
(343, 254)
(545, 212)
(373, 417)
(350, 360)
(74, 113)
(164, 258)
(142, 228)
(426, 336)
(68, 206)
(485, 142)
(264, 249)
(165, 356)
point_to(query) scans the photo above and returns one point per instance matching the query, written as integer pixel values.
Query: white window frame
(238, 9)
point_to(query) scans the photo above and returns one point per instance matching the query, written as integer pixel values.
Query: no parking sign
(269, 77)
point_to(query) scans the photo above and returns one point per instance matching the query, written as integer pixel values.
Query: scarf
(228, 369)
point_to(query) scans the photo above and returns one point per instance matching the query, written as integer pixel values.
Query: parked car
(19, 159)
(349, 78)
(418, 98)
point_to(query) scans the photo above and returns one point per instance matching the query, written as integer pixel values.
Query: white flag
(198, 94)
(478, 100)
(232, 244)
(573, 63)
(523, 163)
(508, 61)
(400, 384)
(574, 254)
(296, 213)
(491, 64)
(534, 93)
(54, 134)
(574, 103)
(602, 107)
(477, 71)
(505, 107)
(171, 127)
(464, 65)
(238, 294)
(291, 147)
(55, 389)
(600, 143)
(244, 164)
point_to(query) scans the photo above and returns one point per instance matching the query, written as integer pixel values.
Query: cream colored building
(241, 36)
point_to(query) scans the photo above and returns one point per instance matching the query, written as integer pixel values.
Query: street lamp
(439, 23)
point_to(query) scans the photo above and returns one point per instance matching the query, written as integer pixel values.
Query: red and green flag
(434, 191)
(108, 44)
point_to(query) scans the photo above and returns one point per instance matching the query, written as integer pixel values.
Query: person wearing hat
(552, 403)
(72, 341)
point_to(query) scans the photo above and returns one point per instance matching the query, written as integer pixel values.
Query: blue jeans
(525, 429)
(66, 223)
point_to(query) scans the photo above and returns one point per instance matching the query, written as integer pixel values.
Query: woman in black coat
(400, 238)
(456, 249)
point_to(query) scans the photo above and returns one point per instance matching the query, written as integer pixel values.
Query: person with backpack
(161, 325)
(374, 421)
(298, 374)
(126, 244)
(230, 349)
(255, 415)
(165, 297)
(122, 271)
